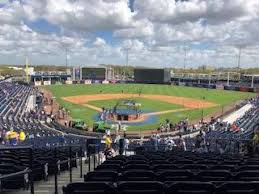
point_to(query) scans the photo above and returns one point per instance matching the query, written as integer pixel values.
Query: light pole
(184, 59)
(239, 58)
(66, 57)
(127, 63)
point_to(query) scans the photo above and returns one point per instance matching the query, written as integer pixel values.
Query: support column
(80, 73)
(228, 79)
(252, 82)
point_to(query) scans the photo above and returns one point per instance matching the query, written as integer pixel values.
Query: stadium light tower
(64, 48)
(27, 69)
(127, 62)
(66, 57)
(239, 58)
(184, 59)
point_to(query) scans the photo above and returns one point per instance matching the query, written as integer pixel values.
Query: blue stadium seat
(137, 175)
(238, 188)
(89, 188)
(213, 175)
(108, 176)
(175, 175)
(140, 187)
(190, 188)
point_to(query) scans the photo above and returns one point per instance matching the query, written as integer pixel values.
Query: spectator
(169, 144)
(12, 136)
(62, 139)
(198, 141)
(117, 142)
(109, 153)
(126, 142)
(256, 137)
(31, 136)
(108, 141)
(256, 134)
(182, 144)
(22, 136)
(1, 137)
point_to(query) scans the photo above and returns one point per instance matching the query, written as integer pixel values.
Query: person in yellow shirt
(12, 136)
(108, 141)
(22, 136)
(256, 138)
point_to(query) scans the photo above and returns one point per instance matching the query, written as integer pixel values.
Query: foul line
(93, 107)
(167, 111)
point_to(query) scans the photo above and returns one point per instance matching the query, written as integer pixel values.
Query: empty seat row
(171, 175)
(153, 187)
(159, 167)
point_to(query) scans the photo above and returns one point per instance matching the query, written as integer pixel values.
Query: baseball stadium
(88, 121)
(129, 97)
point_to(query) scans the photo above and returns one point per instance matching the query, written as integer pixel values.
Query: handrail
(8, 176)
(15, 148)
(231, 139)
(69, 160)
(31, 165)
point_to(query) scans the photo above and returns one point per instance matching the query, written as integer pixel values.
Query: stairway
(48, 187)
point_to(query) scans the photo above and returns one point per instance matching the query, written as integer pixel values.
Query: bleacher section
(172, 172)
(13, 100)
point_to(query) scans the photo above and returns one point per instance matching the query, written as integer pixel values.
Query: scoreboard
(93, 73)
(152, 76)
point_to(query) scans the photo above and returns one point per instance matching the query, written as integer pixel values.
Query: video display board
(93, 73)
(150, 76)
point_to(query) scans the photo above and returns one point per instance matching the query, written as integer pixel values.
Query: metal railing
(27, 171)
(68, 161)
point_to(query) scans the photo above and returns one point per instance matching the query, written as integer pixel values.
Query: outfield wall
(218, 86)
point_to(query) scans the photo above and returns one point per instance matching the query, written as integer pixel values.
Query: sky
(156, 33)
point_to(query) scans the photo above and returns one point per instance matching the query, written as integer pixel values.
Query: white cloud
(140, 29)
(99, 42)
(82, 15)
(154, 33)
(219, 11)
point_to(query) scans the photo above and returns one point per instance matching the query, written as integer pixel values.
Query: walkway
(237, 114)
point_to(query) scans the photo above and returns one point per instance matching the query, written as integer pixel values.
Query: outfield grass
(220, 97)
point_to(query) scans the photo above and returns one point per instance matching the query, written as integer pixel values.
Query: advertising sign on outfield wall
(88, 81)
(69, 82)
(37, 83)
(105, 82)
(46, 83)
(244, 89)
(96, 82)
(220, 86)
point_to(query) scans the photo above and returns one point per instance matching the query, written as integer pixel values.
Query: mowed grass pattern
(220, 97)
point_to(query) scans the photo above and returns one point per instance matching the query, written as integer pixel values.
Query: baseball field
(159, 101)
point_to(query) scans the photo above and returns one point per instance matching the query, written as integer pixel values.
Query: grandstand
(218, 156)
